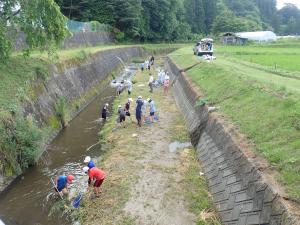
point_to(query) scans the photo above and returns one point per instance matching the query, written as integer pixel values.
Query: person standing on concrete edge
(89, 161)
(96, 178)
(150, 82)
(104, 111)
(61, 184)
(152, 109)
(138, 110)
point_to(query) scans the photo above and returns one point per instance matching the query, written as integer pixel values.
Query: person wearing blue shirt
(89, 162)
(152, 109)
(62, 182)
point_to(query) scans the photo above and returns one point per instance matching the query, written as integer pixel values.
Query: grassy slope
(120, 163)
(264, 106)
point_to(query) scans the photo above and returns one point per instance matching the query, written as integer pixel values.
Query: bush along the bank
(20, 140)
(61, 112)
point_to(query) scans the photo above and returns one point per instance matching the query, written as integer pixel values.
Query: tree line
(171, 20)
(44, 21)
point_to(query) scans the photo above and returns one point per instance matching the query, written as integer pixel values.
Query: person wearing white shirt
(150, 82)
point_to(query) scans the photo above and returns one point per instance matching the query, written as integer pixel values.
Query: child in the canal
(89, 161)
(96, 178)
(62, 182)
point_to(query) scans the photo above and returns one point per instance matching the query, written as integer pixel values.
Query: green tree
(228, 22)
(195, 15)
(40, 20)
(127, 16)
(210, 9)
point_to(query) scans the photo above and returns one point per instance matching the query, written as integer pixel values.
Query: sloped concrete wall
(77, 39)
(240, 193)
(88, 39)
(74, 80)
(71, 82)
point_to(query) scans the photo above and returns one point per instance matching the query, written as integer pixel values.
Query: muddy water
(26, 201)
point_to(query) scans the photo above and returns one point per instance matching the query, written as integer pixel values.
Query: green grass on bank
(267, 112)
(15, 79)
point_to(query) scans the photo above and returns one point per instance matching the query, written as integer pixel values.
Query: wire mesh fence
(92, 26)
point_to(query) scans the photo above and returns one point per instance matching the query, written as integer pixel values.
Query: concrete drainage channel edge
(240, 193)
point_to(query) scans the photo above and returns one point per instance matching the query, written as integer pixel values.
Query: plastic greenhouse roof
(258, 35)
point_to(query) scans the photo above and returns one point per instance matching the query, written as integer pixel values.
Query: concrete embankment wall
(77, 39)
(88, 39)
(71, 80)
(241, 193)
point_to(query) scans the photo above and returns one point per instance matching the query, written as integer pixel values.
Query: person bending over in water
(104, 111)
(89, 161)
(62, 182)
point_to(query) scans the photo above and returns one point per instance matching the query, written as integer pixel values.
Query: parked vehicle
(204, 47)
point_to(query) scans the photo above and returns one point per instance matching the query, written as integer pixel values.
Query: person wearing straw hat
(62, 182)
(96, 178)
(89, 161)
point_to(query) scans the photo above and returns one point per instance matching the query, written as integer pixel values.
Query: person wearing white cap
(122, 115)
(96, 178)
(89, 162)
(105, 111)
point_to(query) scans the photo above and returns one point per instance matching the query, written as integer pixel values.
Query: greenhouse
(260, 36)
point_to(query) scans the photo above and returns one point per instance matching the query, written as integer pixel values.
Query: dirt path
(155, 198)
(146, 183)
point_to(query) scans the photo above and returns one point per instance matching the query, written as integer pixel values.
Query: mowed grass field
(265, 106)
(281, 55)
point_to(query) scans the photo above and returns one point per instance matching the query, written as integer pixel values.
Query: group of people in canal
(145, 113)
(95, 180)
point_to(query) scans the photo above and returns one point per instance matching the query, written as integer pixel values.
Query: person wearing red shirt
(96, 178)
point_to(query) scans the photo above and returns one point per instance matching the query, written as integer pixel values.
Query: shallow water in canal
(26, 200)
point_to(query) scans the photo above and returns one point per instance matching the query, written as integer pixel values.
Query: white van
(204, 47)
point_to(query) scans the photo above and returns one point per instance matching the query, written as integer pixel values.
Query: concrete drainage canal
(241, 192)
(29, 198)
